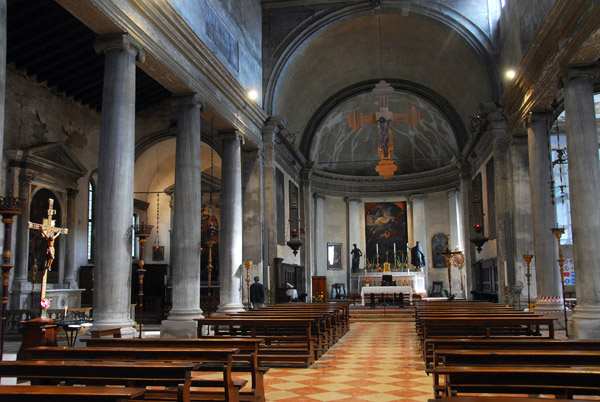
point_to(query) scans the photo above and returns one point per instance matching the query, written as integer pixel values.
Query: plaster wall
(233, 31)
(437, 215)
(37, 115)
(336, 218)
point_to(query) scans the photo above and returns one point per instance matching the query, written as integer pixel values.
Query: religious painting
(334, 255)
(386, 231)
(158, 253)
(438, 245)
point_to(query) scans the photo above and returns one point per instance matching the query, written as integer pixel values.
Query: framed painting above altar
(386, 230)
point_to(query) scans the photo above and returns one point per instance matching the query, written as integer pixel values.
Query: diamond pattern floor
(373, 362)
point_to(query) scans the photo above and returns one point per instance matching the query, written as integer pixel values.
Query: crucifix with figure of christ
(384, 119)
(49, 232)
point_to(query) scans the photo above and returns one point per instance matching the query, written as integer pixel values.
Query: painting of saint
(386, 230)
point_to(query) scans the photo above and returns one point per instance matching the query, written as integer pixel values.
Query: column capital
(417, 197)
(352, 199)
(274, 125)
(230, 135)
(192, 99)
(451, 192)
(120, 41)
(539, 115)
(586, 70)
(319, 196)
(72, 193)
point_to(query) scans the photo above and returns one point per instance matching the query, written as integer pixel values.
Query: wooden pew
(275, 331)
(223, 355)
(560, 381)
(486, 326)
(246, 361)
(129, 374)
(516, 343)
(49, 393)
(507, 357)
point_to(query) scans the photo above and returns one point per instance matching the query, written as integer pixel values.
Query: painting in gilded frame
(385, 225)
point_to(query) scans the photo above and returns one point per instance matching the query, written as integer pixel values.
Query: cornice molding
(558, 42)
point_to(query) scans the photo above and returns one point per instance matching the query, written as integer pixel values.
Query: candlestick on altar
(528, 258)
(141, 232)
(558, 232)
(248, 264)
(9, 207)
(210, 242)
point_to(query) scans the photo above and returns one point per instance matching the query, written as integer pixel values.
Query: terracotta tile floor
(373, 362)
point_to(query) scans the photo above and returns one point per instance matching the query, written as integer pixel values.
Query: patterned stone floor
(376, 361)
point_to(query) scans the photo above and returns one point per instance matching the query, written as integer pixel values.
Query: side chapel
(267, 138)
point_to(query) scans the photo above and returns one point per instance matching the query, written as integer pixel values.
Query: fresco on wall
(385, 225)
(415, 148)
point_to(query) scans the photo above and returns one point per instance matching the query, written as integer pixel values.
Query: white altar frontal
(416, 280)
(386, 290)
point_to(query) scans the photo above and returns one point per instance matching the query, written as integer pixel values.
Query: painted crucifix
(49, 232)
(384, 119)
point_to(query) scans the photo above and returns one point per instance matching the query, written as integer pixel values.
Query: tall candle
(65, 311)
(376, 248)
(505, 275)
(394, 248)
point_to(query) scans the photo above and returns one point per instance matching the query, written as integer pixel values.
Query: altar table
(385, 290)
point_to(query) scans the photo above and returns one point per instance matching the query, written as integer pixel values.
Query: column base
(551, 309)
(178, 329)
(230, 308)
(585, 323)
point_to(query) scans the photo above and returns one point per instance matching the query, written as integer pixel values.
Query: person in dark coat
(417, 256)
(257, 294)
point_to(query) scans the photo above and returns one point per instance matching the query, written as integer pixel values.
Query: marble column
(307, 221)
(253, 216)
(584, 192)
(455, 239)
(70, 276)
(320, 264)
(543, 213)
(420, 230)
(20, 285)
(114, 205)
(2, 82)
(187, 214)
(230, 245)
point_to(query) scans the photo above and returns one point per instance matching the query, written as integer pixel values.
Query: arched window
(91, 231)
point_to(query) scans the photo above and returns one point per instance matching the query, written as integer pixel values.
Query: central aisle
(374, 361)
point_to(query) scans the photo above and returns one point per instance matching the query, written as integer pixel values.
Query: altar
(416, 280)
(386, 290)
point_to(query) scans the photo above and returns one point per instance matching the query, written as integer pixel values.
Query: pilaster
(320, 246)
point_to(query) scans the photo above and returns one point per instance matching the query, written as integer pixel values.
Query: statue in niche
(417, 257)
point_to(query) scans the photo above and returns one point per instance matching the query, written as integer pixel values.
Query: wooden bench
(560, 381)
(486, 326)
(49, 393)
(129, 374)
(515, 343)
(246, 361)
(197, 355)
(99, 333)
(275, 331)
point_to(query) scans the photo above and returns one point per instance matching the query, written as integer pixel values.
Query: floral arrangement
(45, 303)
(318, 298)
(367, 280)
